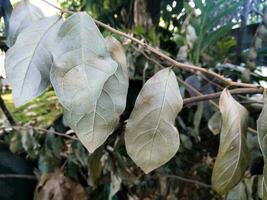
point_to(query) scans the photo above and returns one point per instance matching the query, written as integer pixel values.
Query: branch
(6, 112)
(178, 78)
(17, 127)
(185, 83)
(217, 95)
(18, 176)
(188, 180)
(158, 52)
(173, 62)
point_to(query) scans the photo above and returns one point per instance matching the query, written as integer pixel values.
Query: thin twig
(17, 176)
(173, 62)
(17, 127)
(178, 78)
(187, 85)
(158, 52)
(211, 82)
(217, 95)
(252, 130)
(6, 112)
(57, 8)
(188, 180)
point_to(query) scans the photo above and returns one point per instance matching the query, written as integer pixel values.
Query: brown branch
(18, 176)
(217, 95)
(159, 53)
(17, 127)
(173, 62)
(178, 78)
(188, 180)
(6, 112)
(186, 84)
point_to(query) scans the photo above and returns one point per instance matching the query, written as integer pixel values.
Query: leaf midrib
(159, 115)
(34, 52)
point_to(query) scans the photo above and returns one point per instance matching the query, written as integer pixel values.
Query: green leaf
(232, 158)
(23, 14)
(79, 154)
(91, 129)
(214, 36)
(15, 144)
(30, 143)
(54, 144)
(47, 163)
(28, 62)
(95, 167)
(151, 138)
(218, 14)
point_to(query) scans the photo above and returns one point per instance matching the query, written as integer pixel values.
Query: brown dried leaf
(55, 186)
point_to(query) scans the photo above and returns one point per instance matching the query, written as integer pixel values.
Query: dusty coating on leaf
(117, 52)
(262, 138)
(82, 64)
(29, 61)
(232, 158)
(23, 15)
(95, 125)
(151, 138)
(215, 123)
(264, 181)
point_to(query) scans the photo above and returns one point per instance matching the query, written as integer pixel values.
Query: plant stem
(186, 84)
(188, 180)
(217, 95)
(17, 176)
(6, 112)
(17, 127)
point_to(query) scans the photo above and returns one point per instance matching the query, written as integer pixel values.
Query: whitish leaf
(151, 138)
(262, 128)
(115, 185)
(232, 158)
(117, 52)
(215, 123)
(82, 64)
(197, 120)
(238, 192)
(23, 14)
(264, 182)
(259, 186)
(102, 116)
(262, 138)
(28, 62)
(243, 191)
